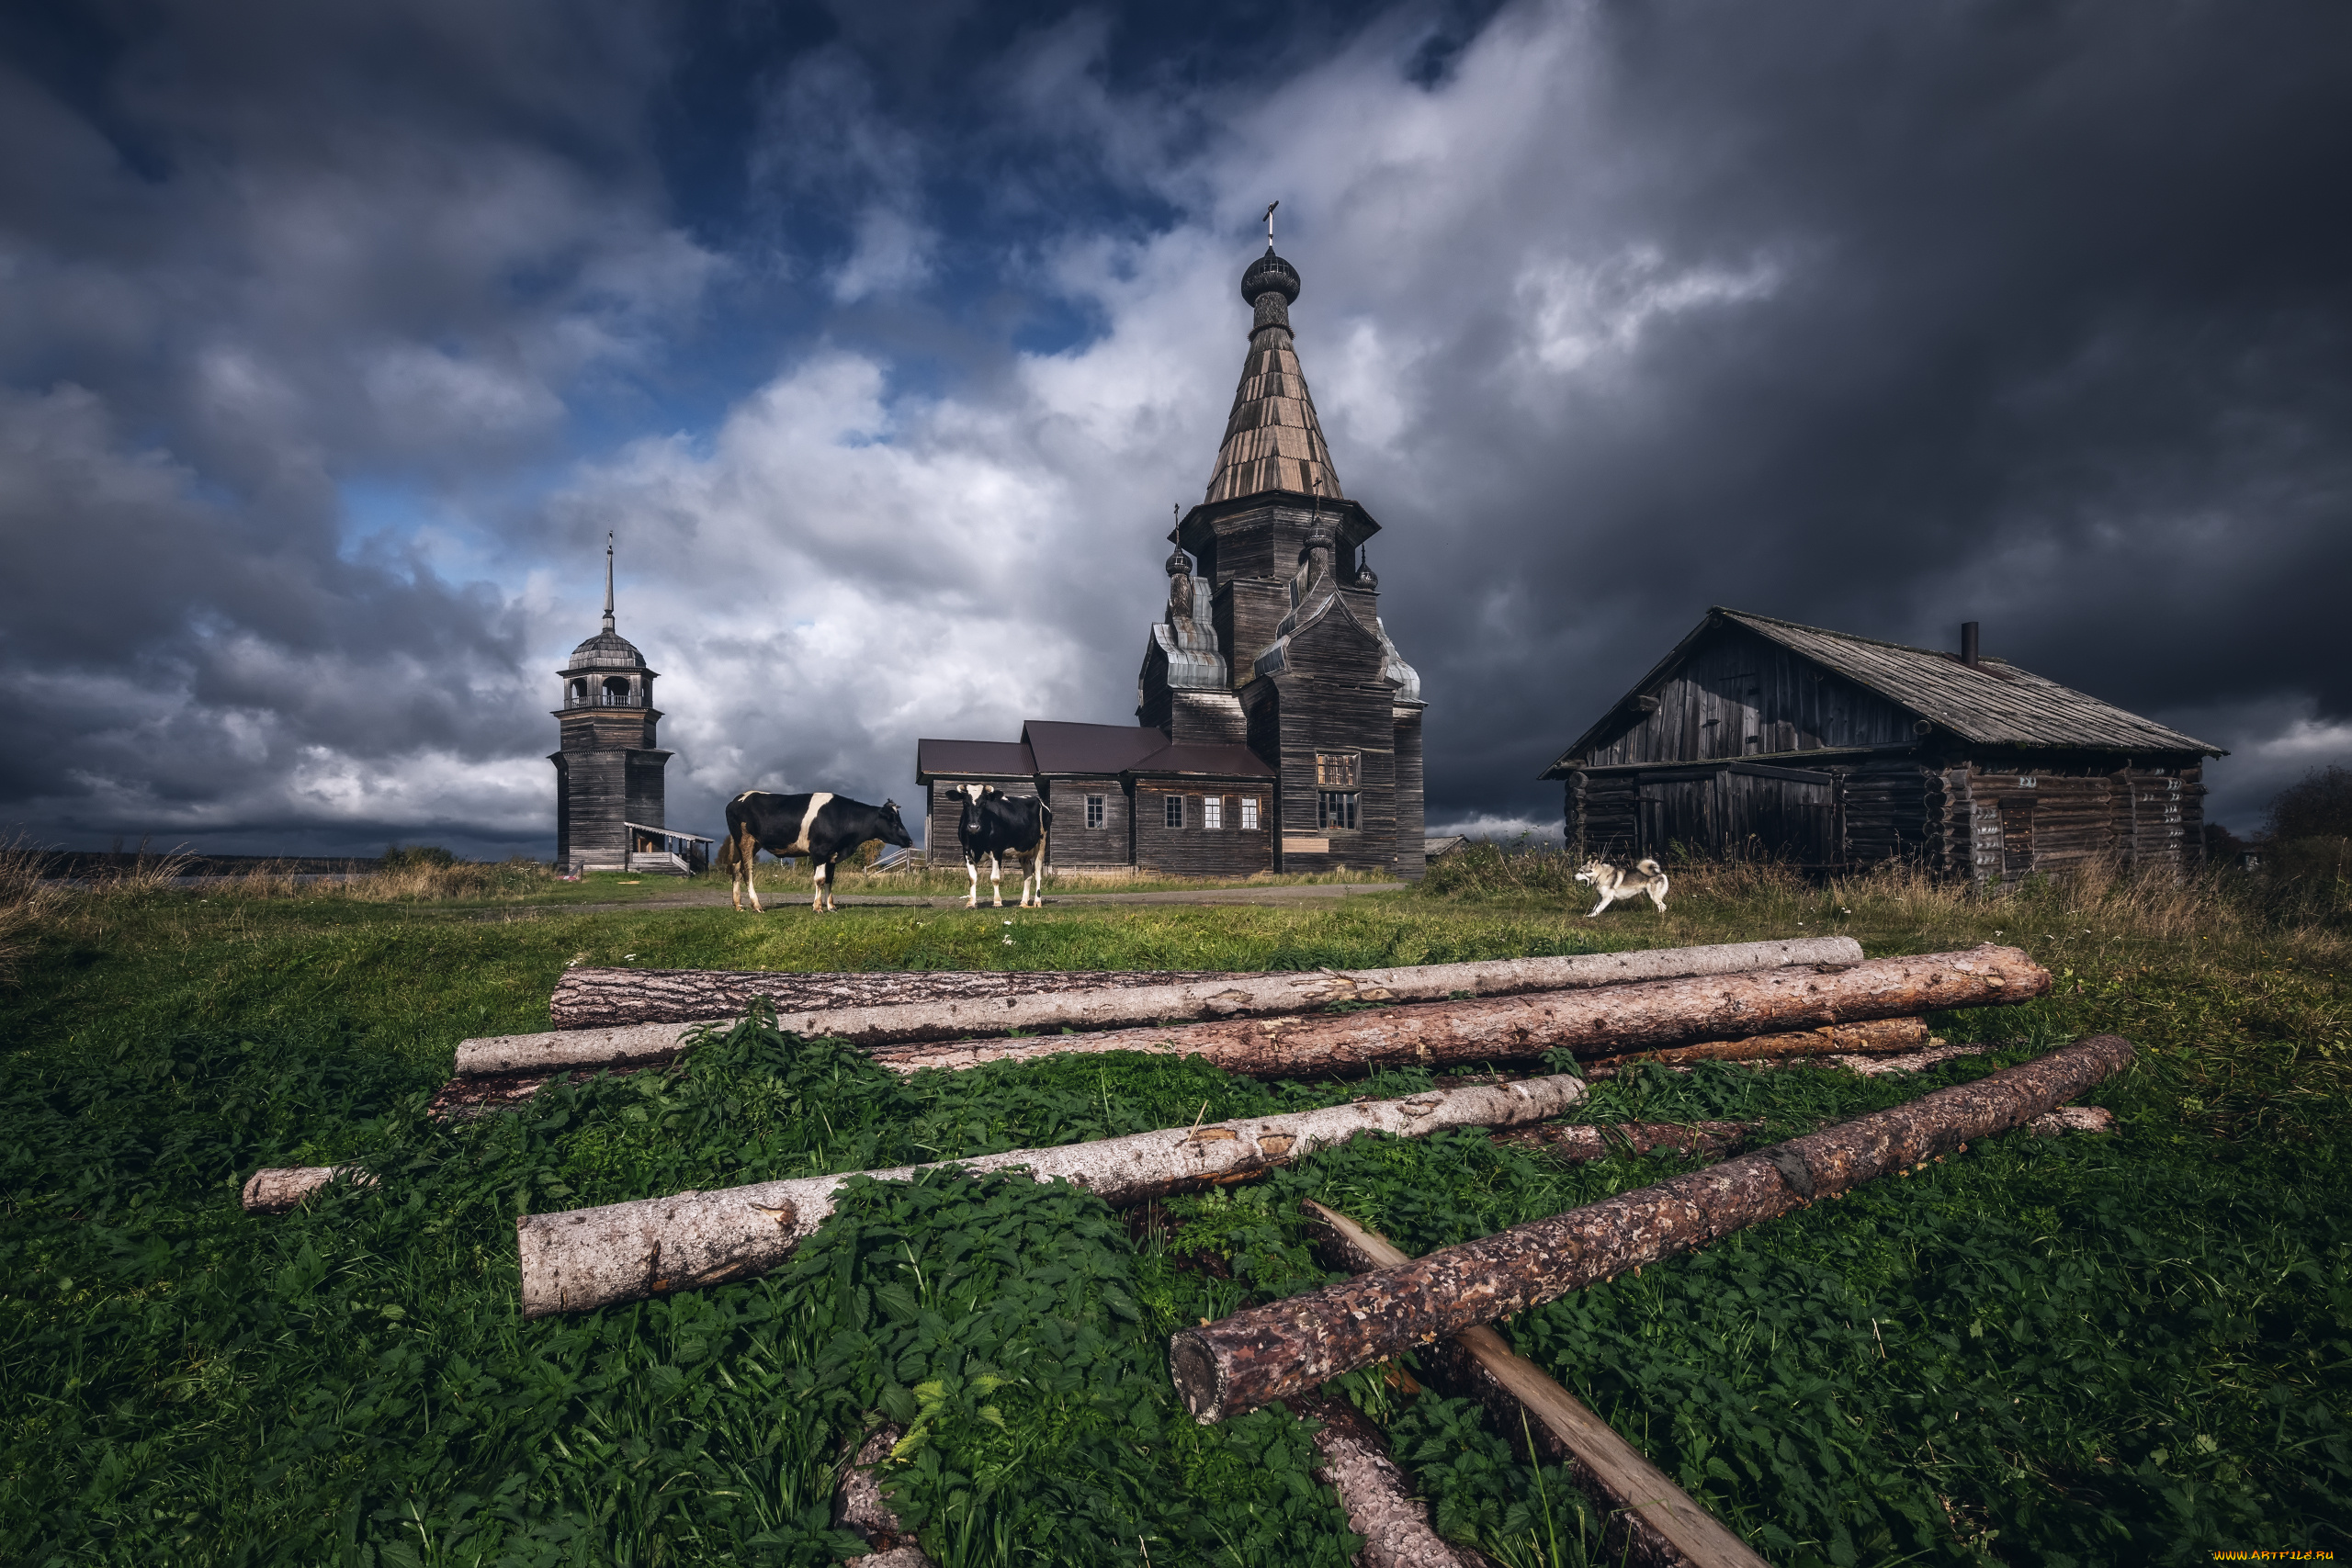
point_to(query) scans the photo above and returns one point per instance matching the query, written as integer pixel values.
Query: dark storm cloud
(885, 336)
(2059, 342)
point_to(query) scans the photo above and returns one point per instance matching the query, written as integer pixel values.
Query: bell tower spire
(1273, 440)
(608, 580)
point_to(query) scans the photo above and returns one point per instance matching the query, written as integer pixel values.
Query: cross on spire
(608, 581)
(1270, 223)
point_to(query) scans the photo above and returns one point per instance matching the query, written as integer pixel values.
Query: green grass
(2091, 1350)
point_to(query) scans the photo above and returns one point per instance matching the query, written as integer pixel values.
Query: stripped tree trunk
(281, 1189)
(584, 1259)
(595, 998)
(859, 1506)
(480, 1093)
(597, 1024)
(1378, 1497)
(1878, 1036)
(1612, 1020)
(1648, 1520)
(1269, 1352)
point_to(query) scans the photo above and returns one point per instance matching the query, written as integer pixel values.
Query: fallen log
(586, 1036)
(1610, 1021)
(1872, 1037)
(1379, 1500)
(482, 1093)
(602, 998)
(584, 1259)
(860, 1507)
(1268, 1352)
(282, 1189)
(1647, 1519)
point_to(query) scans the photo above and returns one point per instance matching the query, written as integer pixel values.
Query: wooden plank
(1606, 1463)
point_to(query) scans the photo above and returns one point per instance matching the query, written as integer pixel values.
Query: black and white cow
(995, 824)
(822, 827)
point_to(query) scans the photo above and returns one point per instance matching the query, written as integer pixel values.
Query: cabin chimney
(1968, 644)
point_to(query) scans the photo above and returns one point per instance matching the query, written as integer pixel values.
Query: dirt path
(1317, 892)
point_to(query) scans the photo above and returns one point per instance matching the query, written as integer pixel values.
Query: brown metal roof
(973, 759)
(1204, 762)
(1993, 704)
(1099, 749)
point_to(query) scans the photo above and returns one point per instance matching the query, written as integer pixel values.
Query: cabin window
(1213, 811)
(1336, 770)
(1172, 807)
(1336, 808)
(1249, 813)
(1095, 811)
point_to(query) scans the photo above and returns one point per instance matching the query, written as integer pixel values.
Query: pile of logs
(1765, 1002)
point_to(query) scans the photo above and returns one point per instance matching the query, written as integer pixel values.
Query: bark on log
(590, 1004)
(1378, 1498)
(1648, 1520)
(1269, 1352)
(1873, 1037)
(282, 1189)
(600, 998)
(584, 1259)
(1588, 1141)
(1612, 1020)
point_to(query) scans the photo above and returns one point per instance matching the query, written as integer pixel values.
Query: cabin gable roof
(1994, 702)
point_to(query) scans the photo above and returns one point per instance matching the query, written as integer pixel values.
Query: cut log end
(1197, 1375)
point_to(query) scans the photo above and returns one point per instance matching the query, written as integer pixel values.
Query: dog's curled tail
(1651, 866)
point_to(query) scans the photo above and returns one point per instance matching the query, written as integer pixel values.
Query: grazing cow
(822, 827)
(995, 825)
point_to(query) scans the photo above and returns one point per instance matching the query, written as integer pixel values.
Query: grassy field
(2116, 1350)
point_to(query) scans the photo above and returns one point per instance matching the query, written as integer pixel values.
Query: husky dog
(1612, 884)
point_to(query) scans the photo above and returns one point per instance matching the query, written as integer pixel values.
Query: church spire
(1273, 440)
(608, 581)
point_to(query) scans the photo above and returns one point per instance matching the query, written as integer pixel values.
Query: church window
(1174, 807)
(1336, 808)
(1095, 811)
(1213, 811)
(1336, 770)
(579, 697)
(1249, 813)
(615, 691)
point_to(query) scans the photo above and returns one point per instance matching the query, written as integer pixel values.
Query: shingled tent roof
(1273, 440)
(1994, 702)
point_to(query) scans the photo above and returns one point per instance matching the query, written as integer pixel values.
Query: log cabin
(1829, 752)
(1278, 728)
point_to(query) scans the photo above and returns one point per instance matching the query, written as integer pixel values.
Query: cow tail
(726, 859)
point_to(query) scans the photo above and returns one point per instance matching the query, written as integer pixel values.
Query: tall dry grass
(26, 899)
(2303, 901)
(398, 878)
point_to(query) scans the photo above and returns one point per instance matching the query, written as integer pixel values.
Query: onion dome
(606, 650)
(1179, 563)
(1366, 578)
(1269, 275)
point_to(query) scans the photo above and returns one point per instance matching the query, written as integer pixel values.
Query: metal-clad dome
(606, 650)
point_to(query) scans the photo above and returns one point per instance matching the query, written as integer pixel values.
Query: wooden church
(1757, 735)
(608, 768)
(1279, 728)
